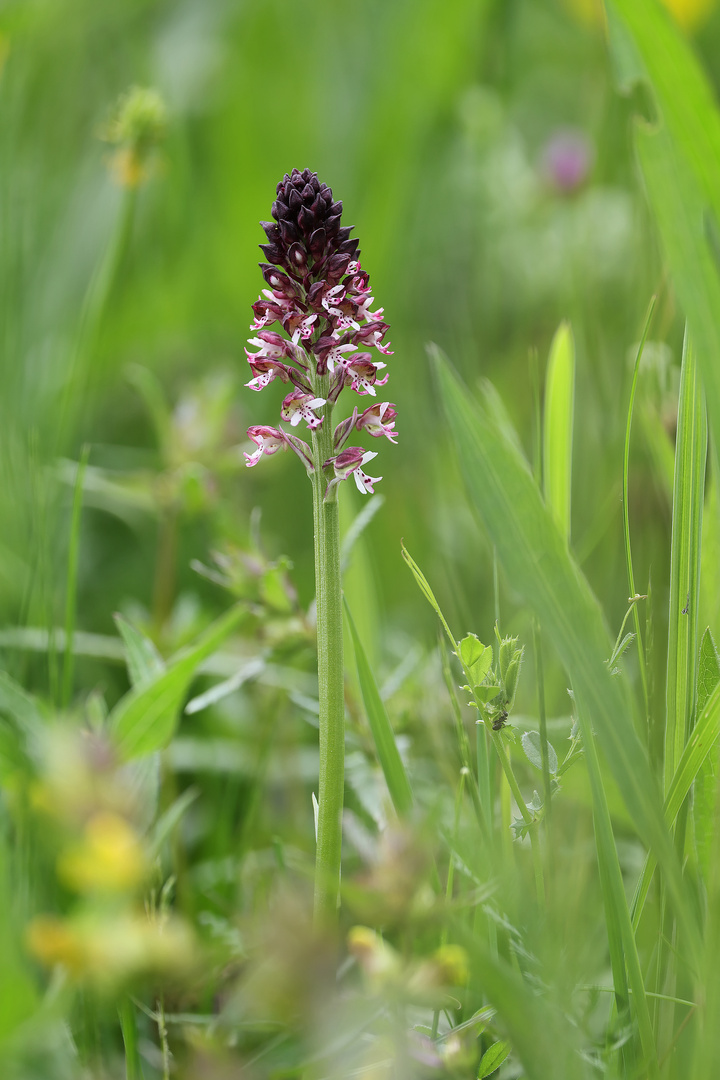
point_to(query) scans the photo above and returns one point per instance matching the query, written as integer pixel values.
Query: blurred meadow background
(508, 165)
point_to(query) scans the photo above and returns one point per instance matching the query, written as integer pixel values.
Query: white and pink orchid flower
(351, 461)
(268, 441)
(379, 420)
(299, 406)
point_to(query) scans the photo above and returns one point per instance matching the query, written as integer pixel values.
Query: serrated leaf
(475, 657)
(144, 720)
(144, 662)
(617, 653)
(493, 1058)
(531, 745)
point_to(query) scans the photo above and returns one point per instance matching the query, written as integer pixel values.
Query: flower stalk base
(328, 593)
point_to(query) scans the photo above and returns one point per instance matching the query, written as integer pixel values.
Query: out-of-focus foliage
(155, 899)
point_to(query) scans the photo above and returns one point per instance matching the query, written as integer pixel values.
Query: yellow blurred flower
(53, 941)
(452, 964)
(424, 981)
(688, 13)
(380, 963)
(110, 857)
(106, 949)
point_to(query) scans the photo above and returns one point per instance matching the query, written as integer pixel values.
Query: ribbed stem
(330, 677)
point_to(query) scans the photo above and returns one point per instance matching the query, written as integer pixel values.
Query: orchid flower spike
(321, 299)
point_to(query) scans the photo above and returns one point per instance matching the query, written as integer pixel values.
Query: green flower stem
(525, 813)
(328, 594)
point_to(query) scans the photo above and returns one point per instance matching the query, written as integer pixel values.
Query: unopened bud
(508, 648)
(511, 677)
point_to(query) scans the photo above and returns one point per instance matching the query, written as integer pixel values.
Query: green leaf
(28, 713)
(493, 1058)
(680, 163)
(558, 427)
(485, 692)
(144, 662)
(475, 657)
(144, 720)
(388, 754)
(531, 745)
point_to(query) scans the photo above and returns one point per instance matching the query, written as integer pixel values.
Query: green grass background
(431, 122)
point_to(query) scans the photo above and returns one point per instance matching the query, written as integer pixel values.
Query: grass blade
(701, 741)
(626, 506)
(558, 428)
(536, 560)
(688, 495)
(388, 755)
(703, 808)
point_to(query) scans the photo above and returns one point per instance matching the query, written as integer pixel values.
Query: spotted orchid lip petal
(364, 483)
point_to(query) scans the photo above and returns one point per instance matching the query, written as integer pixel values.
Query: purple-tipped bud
(308, 233)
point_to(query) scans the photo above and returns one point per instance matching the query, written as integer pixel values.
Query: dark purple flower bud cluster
(321, 297)
(306, 233)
